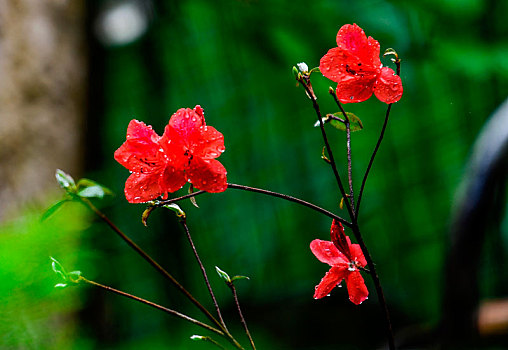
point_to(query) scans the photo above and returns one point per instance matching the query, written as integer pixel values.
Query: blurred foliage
(234, 58)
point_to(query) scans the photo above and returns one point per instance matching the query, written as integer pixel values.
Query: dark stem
(152, 262)
(156, 306)
(207, 282)
(266, 192)
(315, 105)
(381, 135)
(242, 319)
(377, 285)
(348, 146)
(355, 227)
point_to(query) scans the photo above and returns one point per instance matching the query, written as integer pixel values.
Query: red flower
(345, 260)
(356, 67)
(184, 153)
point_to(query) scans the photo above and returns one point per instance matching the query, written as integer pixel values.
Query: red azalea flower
(186, 152)
(356, 67)
(345, 260)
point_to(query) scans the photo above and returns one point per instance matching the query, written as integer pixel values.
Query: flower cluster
(345, 260)
(356, 68)
(186, 152)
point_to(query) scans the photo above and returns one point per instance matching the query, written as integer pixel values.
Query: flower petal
(327, 253)
(140, 188)
(140, 152)
(331, 279)
(356, 287)
(208, 143)
(357, 254)
(207, 175)
(172, 179)
(332, 66)
(339, 239)
(388, 86)
(187, 121)
(352, 39)
(355, 89)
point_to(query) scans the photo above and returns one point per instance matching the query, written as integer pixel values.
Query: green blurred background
(234, 58)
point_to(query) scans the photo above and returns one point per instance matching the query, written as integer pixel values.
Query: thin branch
(242, 319)
(201, 266)
(154, 305)
(152, 262)
(348, 147)
(333, 164)
(381, 135)
(265, 192)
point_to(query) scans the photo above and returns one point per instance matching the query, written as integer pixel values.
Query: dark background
(234, 58)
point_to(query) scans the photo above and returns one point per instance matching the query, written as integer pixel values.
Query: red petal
(357, 254)
(327, 253)
(208, 143)
(332, 278)
(172, 179)
(140, 188)
(207, 175)
(355, 89)
(339, 239)
(356, 287)
(352, 38)
(187, 121)
(332, 65)
(388, 87)
(140, 152)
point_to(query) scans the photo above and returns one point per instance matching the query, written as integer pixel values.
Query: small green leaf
(146, 214)
(69, 278)
(58, 268)
(91, 189)
(65, 180)
(223, 275)
(240, 278)
(92, 192)
(355, 123)
(193, 199)
(51, 210)
(197, 337)
(174, 207)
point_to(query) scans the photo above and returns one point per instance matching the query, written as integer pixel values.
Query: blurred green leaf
(51, 210)
(65, 180)
(90, 189)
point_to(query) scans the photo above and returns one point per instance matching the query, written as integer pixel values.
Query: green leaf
(58, 268)
(91, 189)
(51, 210)
(193, 199)
(355, 123)
(92, 192)
(174, 207)
(223, 275)
(240, 278)
(65, 180)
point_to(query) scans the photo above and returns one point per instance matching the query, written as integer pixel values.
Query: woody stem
(159, 268)
(207, 282)
(355, 227)
(348, 147)
(265, 192)
(154, 305)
